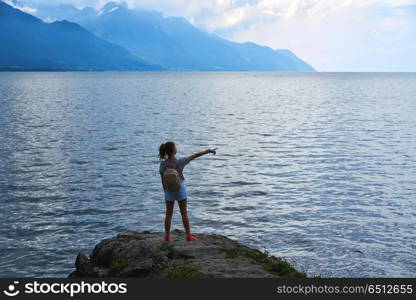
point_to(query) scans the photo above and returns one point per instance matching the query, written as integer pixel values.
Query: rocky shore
(144, 254)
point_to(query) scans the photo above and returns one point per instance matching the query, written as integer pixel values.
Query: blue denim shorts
(177, 195)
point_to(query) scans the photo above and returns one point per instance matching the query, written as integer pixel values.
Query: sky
(331, 35)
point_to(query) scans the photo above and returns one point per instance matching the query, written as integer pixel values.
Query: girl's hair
(166, 149)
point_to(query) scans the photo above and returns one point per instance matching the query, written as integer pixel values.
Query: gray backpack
(171, 180)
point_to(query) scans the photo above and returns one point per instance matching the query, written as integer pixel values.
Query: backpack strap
(166, 165)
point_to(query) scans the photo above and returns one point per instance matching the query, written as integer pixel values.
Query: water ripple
(317, 168)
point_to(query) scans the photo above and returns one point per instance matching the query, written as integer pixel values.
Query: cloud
(17, 4)
(220, 14)
(376, 37)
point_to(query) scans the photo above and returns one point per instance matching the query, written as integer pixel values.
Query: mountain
(30, 44)
(53, 11)
(176, 44)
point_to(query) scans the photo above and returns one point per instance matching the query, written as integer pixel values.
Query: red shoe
(167, 239)
(191, 238)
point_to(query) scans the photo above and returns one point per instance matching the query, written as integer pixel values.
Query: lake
(318, 168)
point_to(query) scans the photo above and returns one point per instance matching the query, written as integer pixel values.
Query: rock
(140, 269)
(83, 265)
(99, 272)
(144, 254)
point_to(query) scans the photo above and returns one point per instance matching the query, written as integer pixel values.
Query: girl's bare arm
(196, 155)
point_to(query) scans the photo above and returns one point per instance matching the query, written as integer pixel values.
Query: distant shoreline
(153, 71)
(196, 71)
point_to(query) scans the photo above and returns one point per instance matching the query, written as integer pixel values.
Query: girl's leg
(185, 220)
(168, 219)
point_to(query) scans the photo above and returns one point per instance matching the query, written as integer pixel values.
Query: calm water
(317, 168)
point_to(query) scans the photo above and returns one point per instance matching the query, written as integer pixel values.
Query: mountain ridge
(172, 42)
(148, 34)
(28, 43)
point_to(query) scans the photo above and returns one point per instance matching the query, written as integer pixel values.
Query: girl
(169, 149)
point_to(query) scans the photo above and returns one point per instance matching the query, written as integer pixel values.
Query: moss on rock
(185, 271)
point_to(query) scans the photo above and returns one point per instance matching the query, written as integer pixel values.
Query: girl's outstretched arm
(196, 155)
